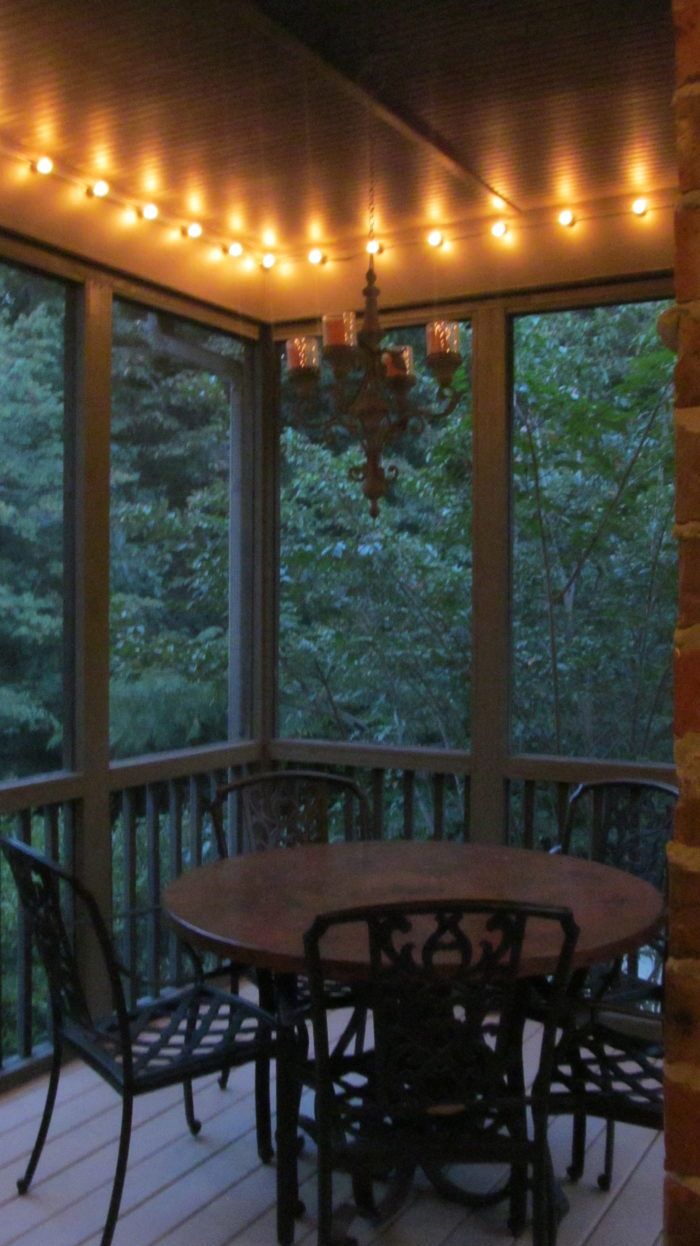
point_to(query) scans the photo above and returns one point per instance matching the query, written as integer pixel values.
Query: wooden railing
(160, 827)
(50, 828)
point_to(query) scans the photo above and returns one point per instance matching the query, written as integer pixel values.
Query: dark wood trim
(490, 572)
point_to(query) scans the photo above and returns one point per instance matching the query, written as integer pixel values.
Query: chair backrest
(62, 914)
(622, 822)
(447, 998)
(280, 808)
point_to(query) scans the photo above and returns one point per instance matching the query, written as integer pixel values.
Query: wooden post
(681, 329)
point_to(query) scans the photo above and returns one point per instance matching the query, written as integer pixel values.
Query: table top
(256, 908)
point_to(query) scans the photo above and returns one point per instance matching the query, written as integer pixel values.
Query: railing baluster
(438, 806)
(196, 820)
(153, 883)
(50, 818)
(562, 809)
(377, 803)
(24, 956)
(529, 814)
(130, 950)
(408, 787)
(174, 824)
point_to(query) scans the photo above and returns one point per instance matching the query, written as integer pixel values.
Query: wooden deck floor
(212, 1190)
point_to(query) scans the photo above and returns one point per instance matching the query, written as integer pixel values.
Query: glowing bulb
(235, 249)
(149, 211)
(43, 165)
(269, 260)
(640, 207)
(499, 229)
(99, 189)
(374, 247)
(567, 218)
(497, 202)
(193, 230)
(435, 238)
(316, 256)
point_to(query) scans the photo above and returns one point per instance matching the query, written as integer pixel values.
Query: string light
(100, 189)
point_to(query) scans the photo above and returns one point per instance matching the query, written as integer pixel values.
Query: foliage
(169, 534)
(32, 312)
(593, 556)
(375, 616)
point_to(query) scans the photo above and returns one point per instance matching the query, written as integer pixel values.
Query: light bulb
(374, 247)
(640, 207)
(149, 211)
(99, 189)
(269, 260)
(499, 229)
(43, 165)
(193, 230)
(235, 249)
(567, 218)
(316, 256)
(435, 238)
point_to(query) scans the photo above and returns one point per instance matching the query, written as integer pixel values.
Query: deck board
(213, 1191)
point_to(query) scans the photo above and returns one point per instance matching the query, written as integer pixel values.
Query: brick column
(680, 328)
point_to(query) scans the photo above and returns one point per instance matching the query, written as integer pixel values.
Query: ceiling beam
(408, 126)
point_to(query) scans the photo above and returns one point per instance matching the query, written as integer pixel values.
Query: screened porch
(193, 585)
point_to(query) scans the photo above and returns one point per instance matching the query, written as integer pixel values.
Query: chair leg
(605, 1178)
(540, 1211)
(578, 1146)
(263, 1122)
(23, 1182)
(288, 1205)
(193, 1123)
(122, 1157)
(234, 987)
(325, 1201)
(517, 1211)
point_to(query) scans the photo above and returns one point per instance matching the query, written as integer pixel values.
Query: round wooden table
(256, 908)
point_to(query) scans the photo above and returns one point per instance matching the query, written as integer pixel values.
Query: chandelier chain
(371, 176)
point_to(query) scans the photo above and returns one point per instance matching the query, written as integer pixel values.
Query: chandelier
(372, 385)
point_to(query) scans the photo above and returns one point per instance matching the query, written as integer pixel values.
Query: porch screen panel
(375, 615)
(594, 566)
(35, 594)
(177, 603)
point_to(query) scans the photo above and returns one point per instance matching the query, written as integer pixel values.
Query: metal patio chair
(443, 1082)
(280, 809)
(163, 1041)
(609, 1062)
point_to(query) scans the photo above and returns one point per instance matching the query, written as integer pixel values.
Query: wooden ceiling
(258, 121)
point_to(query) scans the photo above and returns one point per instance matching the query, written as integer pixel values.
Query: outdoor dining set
(389, 985)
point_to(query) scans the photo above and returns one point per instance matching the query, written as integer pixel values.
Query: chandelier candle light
(372, 385)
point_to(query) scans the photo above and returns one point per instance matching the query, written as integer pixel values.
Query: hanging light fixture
(371, 394)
